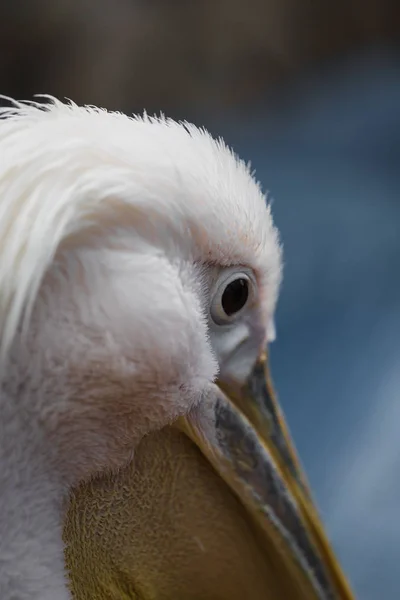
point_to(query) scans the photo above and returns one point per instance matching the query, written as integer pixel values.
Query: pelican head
(139, 274)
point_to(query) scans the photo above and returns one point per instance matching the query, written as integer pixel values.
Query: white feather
(64, 167)
(107, 225)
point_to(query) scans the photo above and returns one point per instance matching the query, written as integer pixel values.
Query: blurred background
(309, 92)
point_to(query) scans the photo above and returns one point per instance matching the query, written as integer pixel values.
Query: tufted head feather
(66, 170)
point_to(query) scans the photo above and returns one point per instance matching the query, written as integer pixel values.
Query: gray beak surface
(243, 434)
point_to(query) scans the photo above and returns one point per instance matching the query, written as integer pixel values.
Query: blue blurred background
(332, 162)
(310, 93)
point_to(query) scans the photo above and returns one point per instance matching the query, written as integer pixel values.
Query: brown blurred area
(175, 55)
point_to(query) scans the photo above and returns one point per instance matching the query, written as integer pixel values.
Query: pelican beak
(243, 434)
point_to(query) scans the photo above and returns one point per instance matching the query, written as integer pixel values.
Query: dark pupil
(235, 296)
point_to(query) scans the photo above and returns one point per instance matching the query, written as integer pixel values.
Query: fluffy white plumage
(66, 167)
(110, 228)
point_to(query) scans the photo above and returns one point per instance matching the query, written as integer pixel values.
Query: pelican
(143, 452)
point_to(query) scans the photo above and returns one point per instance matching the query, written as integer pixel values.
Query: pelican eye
(233, 294)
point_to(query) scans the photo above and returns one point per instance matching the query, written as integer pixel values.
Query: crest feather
(63, 167)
